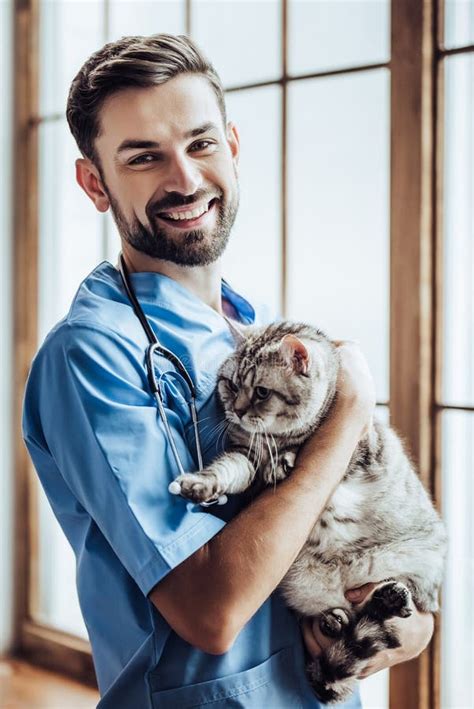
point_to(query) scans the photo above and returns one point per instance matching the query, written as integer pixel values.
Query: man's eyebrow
(134, 144)
(202, 129)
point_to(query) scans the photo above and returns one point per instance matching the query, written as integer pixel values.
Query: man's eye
(144, 159)
(201, 145)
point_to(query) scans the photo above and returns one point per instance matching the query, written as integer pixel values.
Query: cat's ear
(295, 354)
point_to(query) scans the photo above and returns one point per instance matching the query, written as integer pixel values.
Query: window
(455, 396)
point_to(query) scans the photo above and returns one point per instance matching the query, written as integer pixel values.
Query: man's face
(169, 168)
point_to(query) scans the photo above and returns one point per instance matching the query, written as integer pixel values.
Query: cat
(379, 525)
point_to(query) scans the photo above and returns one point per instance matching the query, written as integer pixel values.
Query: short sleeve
(87, 401)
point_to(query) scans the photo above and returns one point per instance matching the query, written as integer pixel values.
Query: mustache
(174, 199)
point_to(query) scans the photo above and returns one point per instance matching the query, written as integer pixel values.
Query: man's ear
(233, 139)
(88, 177)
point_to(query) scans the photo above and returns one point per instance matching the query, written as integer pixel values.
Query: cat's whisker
(218, 431)
(275, 469)
(223, 435)
(252, 438)
(201, 421)
(208, 430)
(273, 461)
(259, 448)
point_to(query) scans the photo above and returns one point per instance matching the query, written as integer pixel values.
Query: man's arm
(209, 598)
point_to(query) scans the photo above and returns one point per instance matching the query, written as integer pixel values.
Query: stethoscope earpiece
(221, 500)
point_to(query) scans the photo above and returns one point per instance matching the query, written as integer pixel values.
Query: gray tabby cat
(276, 389)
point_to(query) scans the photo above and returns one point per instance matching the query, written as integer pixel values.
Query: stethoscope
(154, 348)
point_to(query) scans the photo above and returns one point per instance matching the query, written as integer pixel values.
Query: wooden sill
(24, 686)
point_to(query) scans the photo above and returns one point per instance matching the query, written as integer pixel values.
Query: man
(179, 600)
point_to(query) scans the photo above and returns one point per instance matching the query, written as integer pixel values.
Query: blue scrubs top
(96, 439)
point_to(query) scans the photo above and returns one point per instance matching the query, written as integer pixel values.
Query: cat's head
(278, 379)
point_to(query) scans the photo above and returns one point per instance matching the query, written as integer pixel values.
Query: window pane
(338, 214)
(331, 34)
(252, 262)
(70, 30)
(144, 17)
(70, 245)
(70, 229)
(113, 243)
(458, 376)
(240, 37)
(458, 23)
(374, 691)
(382, 413)
(457, 615)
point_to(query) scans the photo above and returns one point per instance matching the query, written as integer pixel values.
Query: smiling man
(188, 220)
(179, 600)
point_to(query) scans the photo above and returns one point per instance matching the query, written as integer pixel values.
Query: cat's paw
(287, 462)
(392, 599)
(198, 487)
(333, 622)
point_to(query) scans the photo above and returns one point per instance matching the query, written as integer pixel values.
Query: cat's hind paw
(333, 622)
(392, 599)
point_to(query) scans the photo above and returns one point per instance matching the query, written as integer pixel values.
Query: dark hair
(128, 62)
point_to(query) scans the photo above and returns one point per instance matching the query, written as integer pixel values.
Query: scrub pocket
(275, 684)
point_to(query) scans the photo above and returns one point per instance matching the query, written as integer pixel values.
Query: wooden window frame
(415, 312)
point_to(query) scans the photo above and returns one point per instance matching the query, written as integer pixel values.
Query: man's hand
(354, 405)
(414, 633)
(355, 383)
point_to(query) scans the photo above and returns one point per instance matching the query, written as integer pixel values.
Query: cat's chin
(259, 426)
(251, 426)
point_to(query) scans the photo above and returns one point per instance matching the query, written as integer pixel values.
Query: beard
(196, 247)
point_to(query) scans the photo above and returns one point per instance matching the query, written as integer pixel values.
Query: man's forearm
(227, 580)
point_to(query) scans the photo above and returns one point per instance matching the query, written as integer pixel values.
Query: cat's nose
(240, 411)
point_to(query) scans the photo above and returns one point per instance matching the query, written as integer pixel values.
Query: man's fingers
(372, 667)
(340, 343)
(414, 633)
(312, 645)
(357, 595)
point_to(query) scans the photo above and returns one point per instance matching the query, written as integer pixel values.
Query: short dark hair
(131, 62)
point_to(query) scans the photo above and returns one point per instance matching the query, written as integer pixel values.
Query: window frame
(416, 67)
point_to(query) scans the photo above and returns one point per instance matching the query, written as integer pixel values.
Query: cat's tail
(330, 684)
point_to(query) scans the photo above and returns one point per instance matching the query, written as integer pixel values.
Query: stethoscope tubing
(155, 347)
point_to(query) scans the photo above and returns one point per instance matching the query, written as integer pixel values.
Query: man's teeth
(188, 215)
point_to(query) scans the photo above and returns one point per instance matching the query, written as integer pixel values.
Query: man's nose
(182, 176)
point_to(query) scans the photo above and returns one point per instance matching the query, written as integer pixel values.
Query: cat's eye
(232, 386)
(262, 393)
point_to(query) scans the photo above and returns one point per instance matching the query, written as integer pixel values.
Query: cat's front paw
(198, 487)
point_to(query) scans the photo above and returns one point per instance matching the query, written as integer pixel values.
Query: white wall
(6, 458)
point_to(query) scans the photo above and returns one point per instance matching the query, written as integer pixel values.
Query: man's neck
(203, 281)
